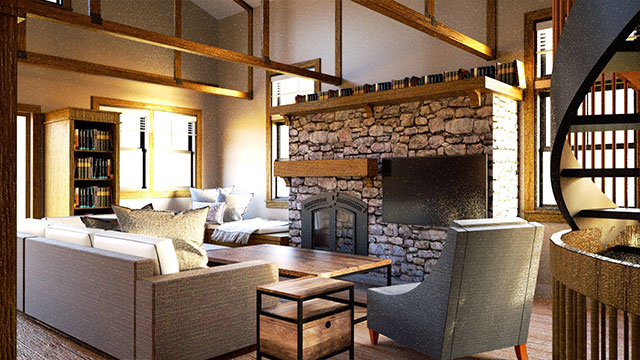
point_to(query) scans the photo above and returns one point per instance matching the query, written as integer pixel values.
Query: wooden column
(338, 38)
(8, 113)
(250, 51)
(177, 28)
(265, 30)
(492, 25)
(95, 11)
(429, 8)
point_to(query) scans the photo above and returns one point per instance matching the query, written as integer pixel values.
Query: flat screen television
(433, 190)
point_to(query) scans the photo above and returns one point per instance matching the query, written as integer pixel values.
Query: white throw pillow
(236, 206)
(208, 195)
(216, 210)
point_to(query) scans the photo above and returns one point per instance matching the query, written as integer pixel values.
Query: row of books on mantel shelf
(511, 73)
(92, 197)
(93, 139)
(93, 168)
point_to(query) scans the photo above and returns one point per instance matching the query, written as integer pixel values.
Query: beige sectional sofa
(133, 307)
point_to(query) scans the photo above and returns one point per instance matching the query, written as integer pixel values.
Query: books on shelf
(92, 197)
(511, 73)
(92, 139)
(91, 168)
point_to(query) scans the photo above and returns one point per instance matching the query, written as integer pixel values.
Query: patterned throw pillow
(237, 205)
(216, 210)
(185, 228)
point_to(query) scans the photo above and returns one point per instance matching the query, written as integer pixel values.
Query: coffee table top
(306, 287)
(298, 262)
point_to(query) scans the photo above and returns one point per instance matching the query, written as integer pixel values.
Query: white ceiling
(220, 9)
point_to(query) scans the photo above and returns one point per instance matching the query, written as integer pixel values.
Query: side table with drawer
(322, 325)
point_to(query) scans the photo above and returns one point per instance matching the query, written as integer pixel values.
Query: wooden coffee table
(298, 262)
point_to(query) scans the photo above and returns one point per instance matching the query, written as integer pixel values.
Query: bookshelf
(82, 149)
(473, 88)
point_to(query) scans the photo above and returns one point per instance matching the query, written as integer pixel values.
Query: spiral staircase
(594, 36)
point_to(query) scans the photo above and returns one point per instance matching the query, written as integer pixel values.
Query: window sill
(148, 194)
(550, 216)
(277, 204)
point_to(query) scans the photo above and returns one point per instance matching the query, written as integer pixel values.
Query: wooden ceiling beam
(60, 63)
(42, 11)
(420, 22)
(338, 38)
(266, 44)
(177, 32)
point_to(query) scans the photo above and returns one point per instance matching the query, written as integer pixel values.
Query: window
(282, 90)
(159, 148)
(29, 162)
(611, 94)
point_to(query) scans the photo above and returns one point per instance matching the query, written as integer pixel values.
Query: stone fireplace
(336, 222)
(427, 128)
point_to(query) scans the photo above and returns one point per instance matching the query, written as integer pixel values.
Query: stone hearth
(428, 128)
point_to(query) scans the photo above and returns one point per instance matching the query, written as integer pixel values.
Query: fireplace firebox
(336, 222)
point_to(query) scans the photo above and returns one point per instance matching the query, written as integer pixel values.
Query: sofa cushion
(159, 250)
(208, 195)
(186, 229)
(78, 235)
(33, 226)
(237, 205)
(216, 210)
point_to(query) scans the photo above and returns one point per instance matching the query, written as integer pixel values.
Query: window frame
(270, 202)
(34, 186)
(64, 4)
(529, 165)
(151, 193)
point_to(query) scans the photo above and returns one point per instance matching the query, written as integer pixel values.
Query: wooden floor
(36, 341)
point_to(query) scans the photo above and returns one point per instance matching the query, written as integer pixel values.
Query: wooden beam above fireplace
(360, 167)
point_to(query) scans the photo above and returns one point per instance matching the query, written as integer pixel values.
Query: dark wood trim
(177, 30)
(249, 50)
(265, 30)
(613, 172)
(37, 121)
(244, 5)
(427, 25)
(59, 63)
(44, 12)
(429, 8)
(8, 111)
(338, 38)
(492, 29)
(617, 213)
(95, 11)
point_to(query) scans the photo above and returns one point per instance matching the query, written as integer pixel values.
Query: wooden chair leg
(521, 351)
(373, 335)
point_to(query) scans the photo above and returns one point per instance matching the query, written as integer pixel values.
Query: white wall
(54, 89)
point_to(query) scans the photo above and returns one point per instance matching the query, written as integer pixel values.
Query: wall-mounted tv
(434, 190)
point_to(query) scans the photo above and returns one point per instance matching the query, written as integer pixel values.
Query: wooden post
(594, 338)
(265, 30)
(8, 113)
(250, 51)
(338, 38)
(429, 8)
(177, 28)
(95, 12)
(492, 25)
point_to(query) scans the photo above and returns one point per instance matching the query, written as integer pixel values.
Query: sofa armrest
(199, 314)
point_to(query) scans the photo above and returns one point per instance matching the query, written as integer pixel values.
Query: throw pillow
(236, 206)
(107, 224)
(185, 228)
(97, 223)
(216, 210)
(208, 195)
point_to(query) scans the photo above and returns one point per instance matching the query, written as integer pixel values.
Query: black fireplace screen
(335, 222)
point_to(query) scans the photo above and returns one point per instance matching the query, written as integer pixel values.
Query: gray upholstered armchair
(477, 298)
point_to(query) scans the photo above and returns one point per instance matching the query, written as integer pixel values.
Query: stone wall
(429, 128)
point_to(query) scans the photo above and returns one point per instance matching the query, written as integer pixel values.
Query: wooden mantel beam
(423, 23)
(42, 11)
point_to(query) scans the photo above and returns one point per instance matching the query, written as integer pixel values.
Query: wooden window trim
(151, 193)
(66, 4)
(530, 211)
(269, 201)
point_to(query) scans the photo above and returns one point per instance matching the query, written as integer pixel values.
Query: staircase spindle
(595, 344)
